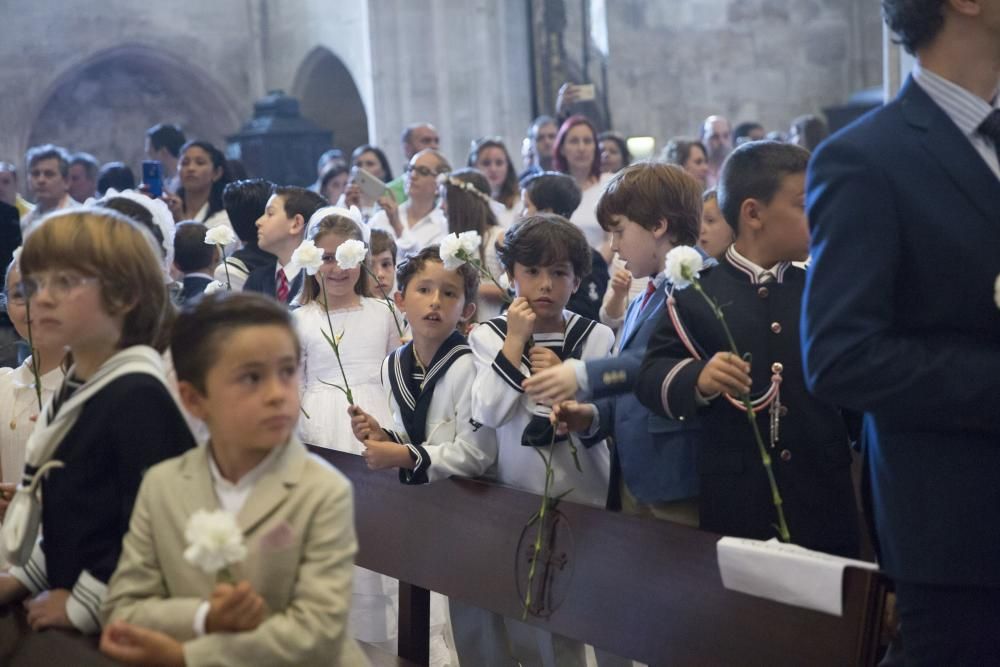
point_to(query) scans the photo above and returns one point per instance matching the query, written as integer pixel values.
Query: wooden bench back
(644, 589)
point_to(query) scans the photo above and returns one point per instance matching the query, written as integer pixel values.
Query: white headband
(354, 213)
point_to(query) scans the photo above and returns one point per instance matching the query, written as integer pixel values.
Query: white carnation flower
(684, 263)
(220, 235)
(350, 254)
(470, 241)
(457, 249)
(214, 286)
(307, 256)
(215, 541)
(451, 246)
(996, 291)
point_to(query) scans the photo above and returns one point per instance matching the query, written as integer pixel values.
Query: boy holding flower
(237, 359)
(649, 209)
(690, 369)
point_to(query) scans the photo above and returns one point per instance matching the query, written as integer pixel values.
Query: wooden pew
(644, 589)
(648, 590)
(21, 647)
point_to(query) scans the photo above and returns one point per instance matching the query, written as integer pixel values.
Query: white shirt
(585, 215)
(427, 231)
(37, 214)
(966, 109)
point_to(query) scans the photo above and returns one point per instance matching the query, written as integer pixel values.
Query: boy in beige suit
(237, 359)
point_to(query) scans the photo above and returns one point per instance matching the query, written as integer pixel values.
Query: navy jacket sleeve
(152, 430)
(669, 375)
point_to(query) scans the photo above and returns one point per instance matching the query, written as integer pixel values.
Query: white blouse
(18, 404)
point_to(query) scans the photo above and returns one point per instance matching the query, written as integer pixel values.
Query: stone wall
(93, 74)
(674, 62)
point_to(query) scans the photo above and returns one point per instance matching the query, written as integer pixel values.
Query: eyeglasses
(16, 297)
(59, 284)
(421, 170)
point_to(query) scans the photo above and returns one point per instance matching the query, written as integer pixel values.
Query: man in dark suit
(900, 321)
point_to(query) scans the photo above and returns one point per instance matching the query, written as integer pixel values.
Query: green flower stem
(485, 273)
(388, 301)
(751, 416)
(222, 251)
(332, 339)
(540, 518)
(35, 359)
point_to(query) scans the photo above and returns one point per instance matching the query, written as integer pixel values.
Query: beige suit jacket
(298, 526)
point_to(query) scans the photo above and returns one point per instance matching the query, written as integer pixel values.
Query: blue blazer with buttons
(657, 456)
(811, 457)
(900, 322)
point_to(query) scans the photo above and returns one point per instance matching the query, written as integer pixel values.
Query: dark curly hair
(914, 22)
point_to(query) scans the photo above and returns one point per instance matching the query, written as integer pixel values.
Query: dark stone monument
(278, 143)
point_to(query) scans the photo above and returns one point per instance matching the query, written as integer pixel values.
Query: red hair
(559, 162)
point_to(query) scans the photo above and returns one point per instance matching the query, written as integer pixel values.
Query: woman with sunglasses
(417, 222)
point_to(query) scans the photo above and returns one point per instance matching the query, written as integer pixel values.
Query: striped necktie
(282, 291)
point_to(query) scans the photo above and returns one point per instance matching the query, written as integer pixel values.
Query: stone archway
(329, 97)
(105, 105)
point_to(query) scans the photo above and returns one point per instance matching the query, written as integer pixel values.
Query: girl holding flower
(341, 299)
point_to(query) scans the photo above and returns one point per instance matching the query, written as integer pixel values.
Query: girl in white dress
(367, 334)
(18, 400)
(465, 197)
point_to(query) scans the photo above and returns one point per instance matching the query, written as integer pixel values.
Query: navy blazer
(262, 280)
(900, 322)
(193, 286)
(811, 458)
(657, 456)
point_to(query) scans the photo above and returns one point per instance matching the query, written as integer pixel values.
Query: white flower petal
(452, 249)
(684, 264)
(350, 254)
(470, 242)
(214, 287)
(220, 235)
(214, 541)
(307, 256)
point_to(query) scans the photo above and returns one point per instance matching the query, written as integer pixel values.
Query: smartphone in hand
(152, 177)
(371, 186)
